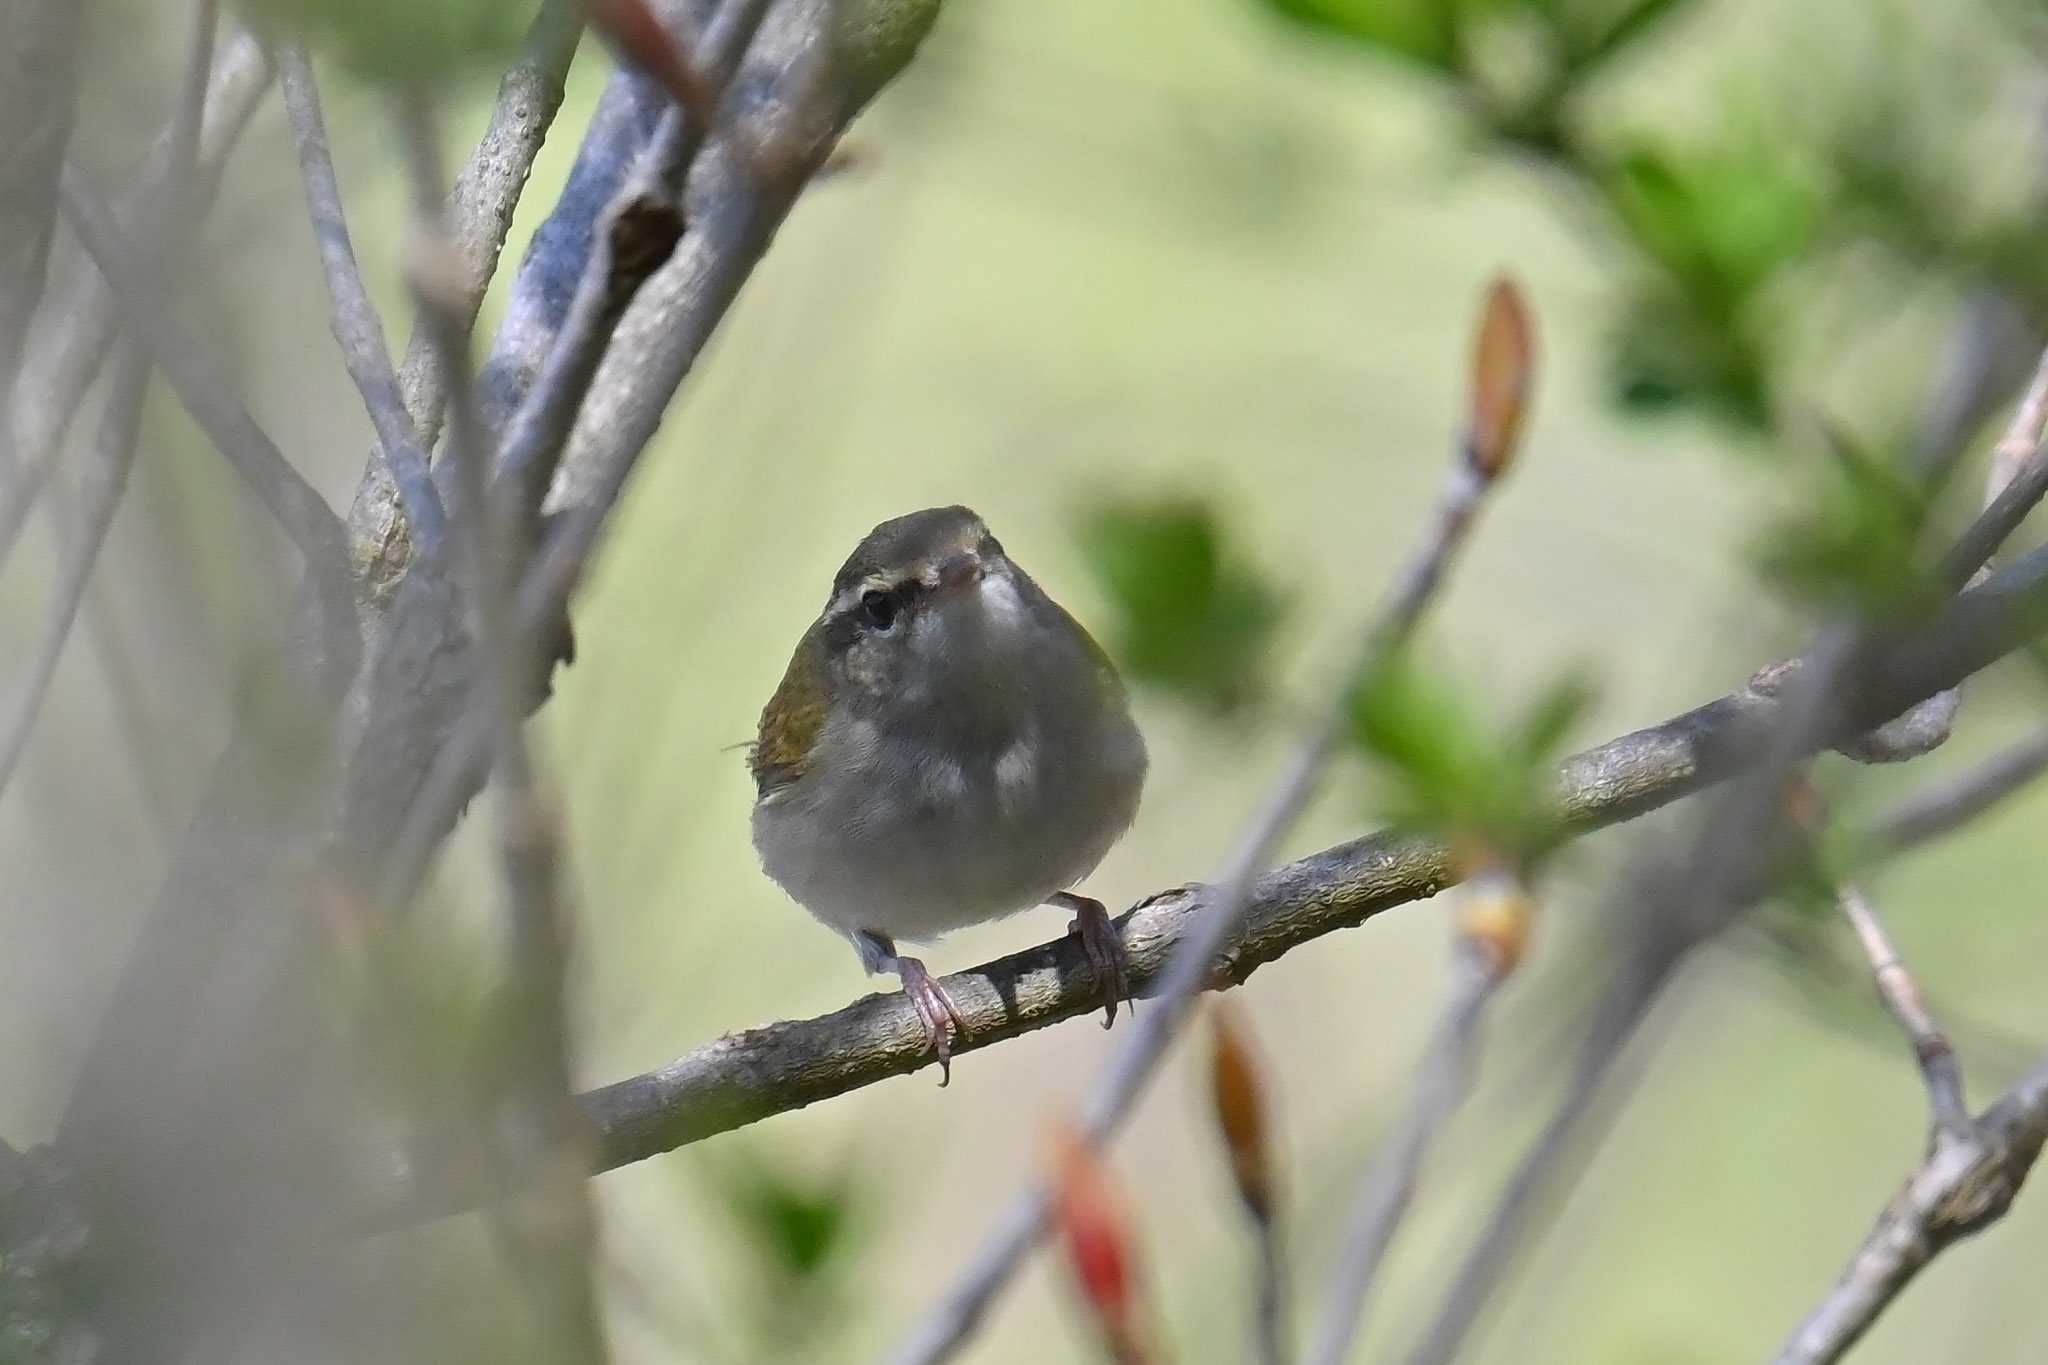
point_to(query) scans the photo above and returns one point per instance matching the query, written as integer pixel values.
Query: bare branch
(57, 371)
(487, 192)
(1967, 1182)
(2023, 434)
(1499, 387)
(2016, 483)
(358, 330)
(36, 66)
(636, 233)
(1490, 937)
(122, 422)
(1698, 896)
(557, 1141)
(1926, 727)
(1901, 996)
(306, 519)
(1938, 809)
(745, 1077)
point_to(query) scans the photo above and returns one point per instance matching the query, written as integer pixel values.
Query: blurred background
(1089, 259)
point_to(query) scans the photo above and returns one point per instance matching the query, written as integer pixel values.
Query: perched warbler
(948, 746)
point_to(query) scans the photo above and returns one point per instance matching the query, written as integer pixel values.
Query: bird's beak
(958, 571)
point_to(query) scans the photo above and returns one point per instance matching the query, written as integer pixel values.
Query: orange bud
(1495, 914)
(1237, 1086)
(1503, 369)
(1089, 1213)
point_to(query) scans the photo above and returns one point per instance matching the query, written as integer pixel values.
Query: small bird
(947, 747)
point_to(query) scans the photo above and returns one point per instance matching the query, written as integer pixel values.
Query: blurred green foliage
(1854, 541)
(409, 40)
(1191, 615)
(801, 1235)
(1728, 234)
(1447, 769)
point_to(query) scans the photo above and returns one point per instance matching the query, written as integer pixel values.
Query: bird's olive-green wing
(791, 721)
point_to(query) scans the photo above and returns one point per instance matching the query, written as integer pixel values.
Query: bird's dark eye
(879, 608)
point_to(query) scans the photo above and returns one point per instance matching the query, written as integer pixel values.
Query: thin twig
(637, 233)
(298, 508)
(1937, 809)
(358, 330)
(527, 842)
(121, 424)
(1967, 1182)
(946, 1326)
(745, 1077)
(2023, 434)
(1697, 898)
(57, 371)
(38, 69)
(486, 194)
(1388, 1185)
(1901, 996)
(2015, 485)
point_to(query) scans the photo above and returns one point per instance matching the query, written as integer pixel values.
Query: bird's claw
(936, 1013)
(1107, 959)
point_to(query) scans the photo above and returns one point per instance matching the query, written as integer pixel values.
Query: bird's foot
(1106, 956)
(943, 1023)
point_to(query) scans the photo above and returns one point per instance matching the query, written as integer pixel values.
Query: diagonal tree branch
(1939, 809)
(1900, 994)
(36, 66)
(745, 1077)
(546, 1150)
(70, 350)
(1501, 378)
(298, 508)
(487, 192)
(1967, 1182)
(121, 424)
(1493, 929)
(358, 330)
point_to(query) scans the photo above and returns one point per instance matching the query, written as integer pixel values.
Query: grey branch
(61, 366)
(745, 1077)
(36, 66)
(121, 424)
(358, 330)
(307, 520)
(635, 235)
(556, 1245)
(1389, 1184)
(950, 1321)
(1901, 996)
(1935, 810)
(1967, 1181)
(487, 192)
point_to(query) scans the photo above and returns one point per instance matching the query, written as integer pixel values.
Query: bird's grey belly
(914, 843)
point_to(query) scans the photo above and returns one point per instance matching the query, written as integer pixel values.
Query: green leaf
(1853, 541)
(1422, 31)
(800, 1228)
(412, 40)
(1734, 216)
(1445, 770)
(1190, 615)
(1673, 347)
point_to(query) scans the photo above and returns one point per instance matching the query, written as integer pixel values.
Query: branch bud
(1495, 914)
(1503, 371)
(1089, 1212)
(1237, 1085)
